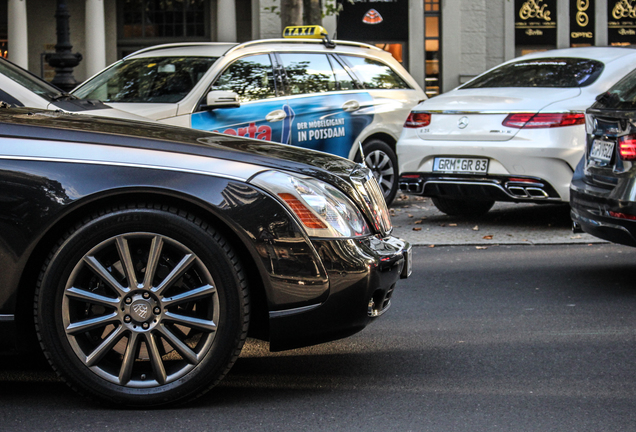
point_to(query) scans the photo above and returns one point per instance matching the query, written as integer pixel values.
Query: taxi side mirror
(221, 99)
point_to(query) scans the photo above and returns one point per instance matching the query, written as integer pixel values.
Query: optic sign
(621, 21)
(374, 20)
(582, 22)
(535, 22)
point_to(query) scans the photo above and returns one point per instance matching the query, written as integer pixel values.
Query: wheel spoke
(127, 262)
(184, 350)
(155, 359)
(386, 184)
(125, 373)
(191, 295)
(387, 172)
(201, 324)
(103, 349)
(382, 161)
(153, 259)
(105, 275)
(90, 324)
(175, 274)
(87, 296)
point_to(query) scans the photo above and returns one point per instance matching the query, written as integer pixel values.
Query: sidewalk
(416, 220)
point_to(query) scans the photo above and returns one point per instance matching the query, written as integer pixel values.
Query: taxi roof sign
(305, 32)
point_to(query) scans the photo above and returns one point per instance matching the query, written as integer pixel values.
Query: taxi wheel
(380, 158)
(142, 306)
(462, 206)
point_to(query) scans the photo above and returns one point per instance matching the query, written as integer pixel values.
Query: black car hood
(52, 125)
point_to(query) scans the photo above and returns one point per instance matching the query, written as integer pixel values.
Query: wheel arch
(259, 317)
(382, 136)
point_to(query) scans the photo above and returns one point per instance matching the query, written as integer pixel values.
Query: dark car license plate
(602, 150)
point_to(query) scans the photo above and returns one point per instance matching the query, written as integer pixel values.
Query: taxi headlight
(323, 210)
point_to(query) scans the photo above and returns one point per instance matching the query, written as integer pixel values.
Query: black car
(142, 256)
(603, 190)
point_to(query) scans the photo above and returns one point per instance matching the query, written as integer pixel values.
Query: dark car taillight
(417, 120)
(543, 120)
(627, 147)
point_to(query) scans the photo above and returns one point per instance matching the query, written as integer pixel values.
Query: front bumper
(362, 276)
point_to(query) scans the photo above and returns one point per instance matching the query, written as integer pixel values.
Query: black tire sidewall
(213, 253)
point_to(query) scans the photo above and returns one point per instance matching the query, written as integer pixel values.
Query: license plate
(461, 165)
(602, 150)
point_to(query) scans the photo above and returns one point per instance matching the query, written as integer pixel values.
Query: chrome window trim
(7, 317)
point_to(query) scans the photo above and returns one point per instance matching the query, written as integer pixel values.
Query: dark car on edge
(603, 189)
(142, 256)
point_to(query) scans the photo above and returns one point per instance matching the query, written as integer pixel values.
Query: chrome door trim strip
(294, 311)
(7, 317)
(122, 164)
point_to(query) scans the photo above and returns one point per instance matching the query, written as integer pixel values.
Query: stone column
(17, 33)
(226, 21)
(95, 51)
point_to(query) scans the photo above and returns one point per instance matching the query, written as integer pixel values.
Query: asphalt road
(417, 220)
(507, 338)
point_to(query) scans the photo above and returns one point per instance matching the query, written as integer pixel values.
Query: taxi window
(251, 77)
(375, 75)
(308, 73)
(344, 81)
(151, 80)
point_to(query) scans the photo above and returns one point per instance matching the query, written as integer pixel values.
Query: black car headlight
(323, 210)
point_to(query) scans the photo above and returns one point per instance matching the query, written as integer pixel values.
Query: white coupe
(513, 133)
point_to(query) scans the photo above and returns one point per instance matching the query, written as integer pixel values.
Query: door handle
(275, 116)
(350, 105)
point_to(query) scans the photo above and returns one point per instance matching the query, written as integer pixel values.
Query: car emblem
(141, 310)
(462, 122)
(372, 17)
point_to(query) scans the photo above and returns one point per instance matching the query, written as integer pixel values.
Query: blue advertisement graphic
(315, 122)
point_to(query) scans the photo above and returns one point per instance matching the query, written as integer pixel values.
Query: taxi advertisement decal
(314, 122)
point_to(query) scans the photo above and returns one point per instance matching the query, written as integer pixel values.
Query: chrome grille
(372, 200)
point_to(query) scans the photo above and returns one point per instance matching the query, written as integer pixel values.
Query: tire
(382, 161)
(462, 207)
(149, 340)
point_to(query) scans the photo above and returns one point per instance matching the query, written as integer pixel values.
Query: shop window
(145, 23)
(432, 44)
(4, 52)
(396, 50)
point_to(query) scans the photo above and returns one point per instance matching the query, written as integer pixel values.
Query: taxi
(303, 90)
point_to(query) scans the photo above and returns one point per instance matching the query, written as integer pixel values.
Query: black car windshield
(621, 95)
(30, 81)
(542, 72)
(153, 79)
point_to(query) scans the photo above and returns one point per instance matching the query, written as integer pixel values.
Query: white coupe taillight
(543, 120)
(417, 120)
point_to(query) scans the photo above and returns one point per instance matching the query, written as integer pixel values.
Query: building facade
(441, 42)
